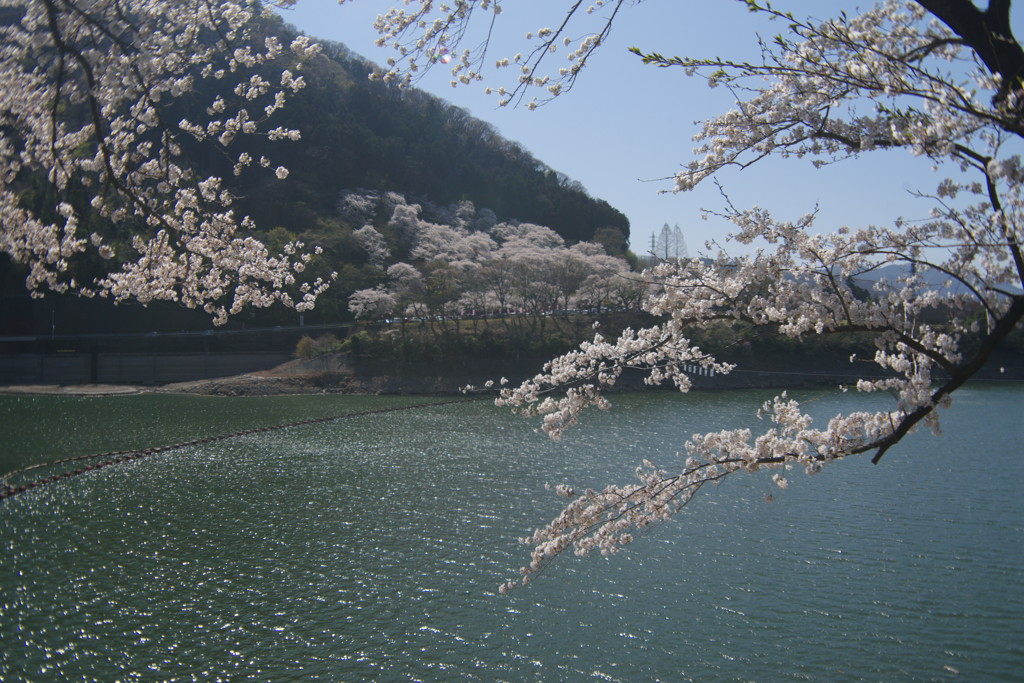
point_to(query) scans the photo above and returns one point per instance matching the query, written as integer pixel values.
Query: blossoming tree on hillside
(458, 269)
(937, 78)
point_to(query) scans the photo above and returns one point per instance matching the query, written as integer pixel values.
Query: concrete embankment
(269, 374)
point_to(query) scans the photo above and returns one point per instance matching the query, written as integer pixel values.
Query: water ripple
(370, 550)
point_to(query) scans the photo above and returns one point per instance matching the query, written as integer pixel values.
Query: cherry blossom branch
(1002, 328)
(122, 65)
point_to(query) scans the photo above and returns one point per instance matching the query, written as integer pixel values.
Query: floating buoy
(117, 457)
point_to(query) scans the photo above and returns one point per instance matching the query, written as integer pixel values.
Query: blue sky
(625, 126)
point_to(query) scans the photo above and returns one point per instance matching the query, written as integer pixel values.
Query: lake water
(370, 548)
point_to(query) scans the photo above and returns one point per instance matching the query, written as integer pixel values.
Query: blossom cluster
(887, 78)
(85, 105)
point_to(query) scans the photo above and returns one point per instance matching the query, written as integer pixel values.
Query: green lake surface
(370, 548)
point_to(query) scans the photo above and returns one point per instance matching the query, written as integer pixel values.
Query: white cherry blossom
(86, 90)
(935, 78)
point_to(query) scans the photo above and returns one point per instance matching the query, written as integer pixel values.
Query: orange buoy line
(116, 457)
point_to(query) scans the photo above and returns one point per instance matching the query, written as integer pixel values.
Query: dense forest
(358, 136)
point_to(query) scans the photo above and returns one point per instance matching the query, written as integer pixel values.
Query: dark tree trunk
(990, 35)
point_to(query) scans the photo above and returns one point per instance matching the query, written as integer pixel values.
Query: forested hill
(358, 133)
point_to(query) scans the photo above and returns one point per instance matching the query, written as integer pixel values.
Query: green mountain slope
(356, 134)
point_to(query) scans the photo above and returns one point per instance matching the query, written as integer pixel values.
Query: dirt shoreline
(324, 375)
(238, 385)
(227, 386)
(72, 390)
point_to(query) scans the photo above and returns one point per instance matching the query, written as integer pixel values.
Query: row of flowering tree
(464, 264)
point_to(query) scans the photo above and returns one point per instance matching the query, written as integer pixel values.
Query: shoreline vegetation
(416, 359)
